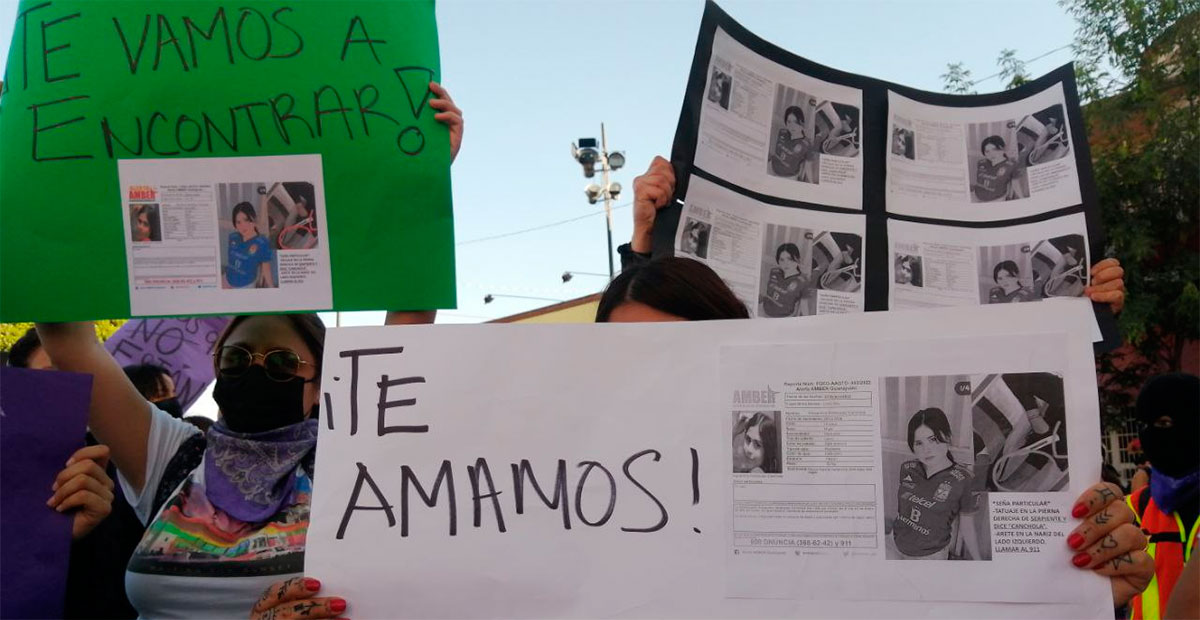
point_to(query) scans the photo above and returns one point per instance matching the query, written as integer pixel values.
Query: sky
(534, 75)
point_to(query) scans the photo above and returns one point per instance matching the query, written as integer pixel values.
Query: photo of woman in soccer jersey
(933, 491)
(787, 284)
(248, 254)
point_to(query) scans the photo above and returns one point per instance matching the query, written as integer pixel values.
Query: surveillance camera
(616, 160)
(566, 276)
(614, 189)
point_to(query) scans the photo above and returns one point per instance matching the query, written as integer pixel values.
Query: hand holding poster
(576, 485)
(213, 154)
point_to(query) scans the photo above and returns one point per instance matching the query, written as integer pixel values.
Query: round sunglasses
(280, 364)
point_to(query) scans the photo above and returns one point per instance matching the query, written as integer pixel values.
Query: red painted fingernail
(1081, 559)
(337, 605)
(312, 585)
(1075, 541)
(1079, 511)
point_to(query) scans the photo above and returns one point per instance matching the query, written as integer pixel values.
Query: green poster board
(89, 83)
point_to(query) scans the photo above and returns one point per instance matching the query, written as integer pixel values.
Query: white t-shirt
(195, 560)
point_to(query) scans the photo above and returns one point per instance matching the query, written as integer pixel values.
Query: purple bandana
(251, 475)
(1171, 493)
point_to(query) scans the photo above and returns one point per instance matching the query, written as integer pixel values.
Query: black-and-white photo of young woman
(720, 84)
(757, 443)
(934, 508)
(694, 238)
(902, 142)
(908, 270)
(798, 262)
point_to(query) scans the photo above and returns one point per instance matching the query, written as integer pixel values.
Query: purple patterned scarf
(250, 475)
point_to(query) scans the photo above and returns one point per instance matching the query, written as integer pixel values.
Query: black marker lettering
(354, 354)
(299, 39)
(662, 521)
(249, 109)
(612, 493)
(246, 11)
(184, 118)
(130, 57)
(150, 134)
(444, 473)
(364, 108)
(210, 128)
(340, 109)
(190, 28)
(385, 404)
(23, 18)
(163, 23)
(38, 128)
(474, 472)
(523, 471)
(46, 51)
(353, 503)
(425, 76)
(281, 119)
(366, 38)
(110, 137)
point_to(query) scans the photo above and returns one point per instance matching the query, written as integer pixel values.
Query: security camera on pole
(586, 154)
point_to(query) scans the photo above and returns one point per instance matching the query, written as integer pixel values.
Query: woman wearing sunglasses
(227, 511)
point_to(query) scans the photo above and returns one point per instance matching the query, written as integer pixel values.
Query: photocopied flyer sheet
(770, 143)
(777, 131)
(225, 234)
(857, 458)
(981, 163)
(779, 262)
(764, 469)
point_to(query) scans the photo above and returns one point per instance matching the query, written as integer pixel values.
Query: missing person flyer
(955, 468)
(225, 235)
(877, 188)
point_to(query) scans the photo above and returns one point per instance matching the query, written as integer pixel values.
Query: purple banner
(182, 346)
(43, 419)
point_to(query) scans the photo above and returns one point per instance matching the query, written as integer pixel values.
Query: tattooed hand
(1109, 543)
(295, 599)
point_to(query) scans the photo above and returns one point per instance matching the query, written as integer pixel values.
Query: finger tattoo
(1103, 517)
(1108, 543)
(1123, 559)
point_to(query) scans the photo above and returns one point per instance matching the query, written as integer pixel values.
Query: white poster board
(626, 429)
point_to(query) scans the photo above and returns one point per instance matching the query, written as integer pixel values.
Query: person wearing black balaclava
(1168, 413)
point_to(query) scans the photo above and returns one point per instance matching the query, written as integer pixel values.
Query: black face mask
(170, 405)
(1173, 451)
(254, 403)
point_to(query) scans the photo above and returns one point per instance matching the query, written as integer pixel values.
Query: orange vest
(1171, 546)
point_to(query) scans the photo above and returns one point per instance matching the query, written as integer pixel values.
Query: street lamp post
(588, 156)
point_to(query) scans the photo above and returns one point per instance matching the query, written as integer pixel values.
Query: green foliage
(1012, 69)
(957, 79)
(10, 332)
(1143, 124)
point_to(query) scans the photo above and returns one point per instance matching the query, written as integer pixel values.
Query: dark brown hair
(680, 286)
